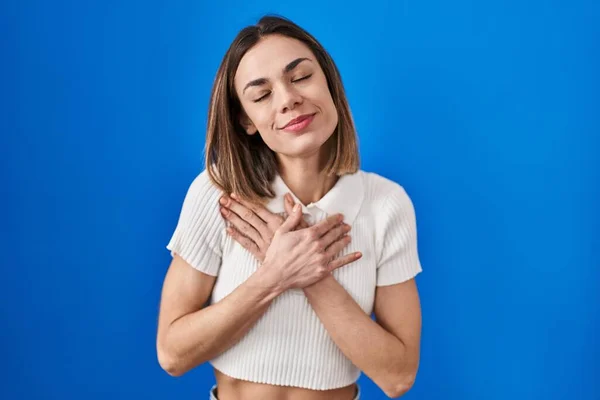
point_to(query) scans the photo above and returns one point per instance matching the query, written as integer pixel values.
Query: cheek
(322, 98)
(329, 110)
(260, 117)
(333, 111)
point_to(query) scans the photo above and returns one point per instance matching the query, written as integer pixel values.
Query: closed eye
(303, 78)
(267, 94)
(261, 98)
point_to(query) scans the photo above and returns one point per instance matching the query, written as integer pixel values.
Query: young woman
(279, 300)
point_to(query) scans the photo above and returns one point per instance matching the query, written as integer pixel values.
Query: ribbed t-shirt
(289, 345)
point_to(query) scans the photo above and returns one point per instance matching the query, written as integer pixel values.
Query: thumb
(292, 220)
(289, 204)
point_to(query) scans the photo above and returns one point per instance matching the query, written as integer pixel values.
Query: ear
(247, 124)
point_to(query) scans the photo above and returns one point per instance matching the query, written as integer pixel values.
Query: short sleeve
(397, 233)
(200, 228)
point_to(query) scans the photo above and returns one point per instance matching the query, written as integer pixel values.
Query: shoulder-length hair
(243, 164)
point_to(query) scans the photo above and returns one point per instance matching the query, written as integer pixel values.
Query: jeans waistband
(213, 393)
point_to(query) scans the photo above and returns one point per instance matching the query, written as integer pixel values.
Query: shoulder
(202, 182)
(381, 193)
(199, 234)
(202, 189)
(202, 199)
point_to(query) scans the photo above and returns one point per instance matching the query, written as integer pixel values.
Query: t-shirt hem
(336, 385)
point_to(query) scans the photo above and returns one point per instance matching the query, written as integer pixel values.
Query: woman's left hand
(252, 225)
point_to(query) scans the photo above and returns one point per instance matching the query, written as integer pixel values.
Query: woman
(277, 300)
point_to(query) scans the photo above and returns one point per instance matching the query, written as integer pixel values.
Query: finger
(289, 203)
(244, 241)
(248, 216)
(244, 227)
(324, 226)
(292, 220)
(303, 224)
(338, 245)
(340, 262)
(334, 234)
(267, 216)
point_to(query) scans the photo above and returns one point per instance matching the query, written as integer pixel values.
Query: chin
(305, 145)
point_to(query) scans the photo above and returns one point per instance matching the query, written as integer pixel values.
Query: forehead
(269, 56)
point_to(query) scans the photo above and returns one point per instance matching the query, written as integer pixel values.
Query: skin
(292, 254)
(386, 350)
(283, 97)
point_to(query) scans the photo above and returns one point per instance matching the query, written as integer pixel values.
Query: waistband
(213, 393)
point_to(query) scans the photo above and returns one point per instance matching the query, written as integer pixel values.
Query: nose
(289, 99)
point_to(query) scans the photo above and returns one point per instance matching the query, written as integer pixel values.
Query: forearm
(375, 351)
(200, 336)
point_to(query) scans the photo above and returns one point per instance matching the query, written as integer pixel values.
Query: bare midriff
(229, 388)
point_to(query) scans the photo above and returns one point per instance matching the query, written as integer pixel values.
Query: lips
(297, 120)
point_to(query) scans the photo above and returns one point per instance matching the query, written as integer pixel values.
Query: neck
(308, 186)
(306, 177)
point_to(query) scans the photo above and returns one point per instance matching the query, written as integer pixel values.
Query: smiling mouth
(300, 123)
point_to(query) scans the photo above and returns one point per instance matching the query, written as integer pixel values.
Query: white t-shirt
(289, 345)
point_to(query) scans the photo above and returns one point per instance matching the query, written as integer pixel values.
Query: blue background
(488, 115)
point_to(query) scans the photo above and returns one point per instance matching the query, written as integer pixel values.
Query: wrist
(269, 279)
(317, 285)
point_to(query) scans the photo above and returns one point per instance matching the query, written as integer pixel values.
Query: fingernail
(224, 211)
(296, 208)
(358, 255)
(223, 200)
(234, 196)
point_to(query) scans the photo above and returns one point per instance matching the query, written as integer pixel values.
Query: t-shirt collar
(345, 197)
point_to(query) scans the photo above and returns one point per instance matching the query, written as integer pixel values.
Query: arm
(387, 350)
(188, 334)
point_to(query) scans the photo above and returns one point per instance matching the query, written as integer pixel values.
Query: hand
(301, 258)
(252, 225)
(262, 227)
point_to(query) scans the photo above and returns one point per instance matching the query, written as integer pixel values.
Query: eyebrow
(287, 69)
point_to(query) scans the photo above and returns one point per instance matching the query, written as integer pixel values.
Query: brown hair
(244, 164)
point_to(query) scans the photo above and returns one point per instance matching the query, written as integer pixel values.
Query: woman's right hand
(299, 258)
